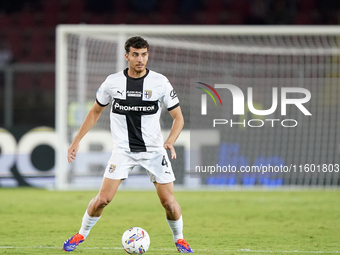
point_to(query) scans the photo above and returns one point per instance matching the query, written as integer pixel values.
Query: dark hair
(136, 42)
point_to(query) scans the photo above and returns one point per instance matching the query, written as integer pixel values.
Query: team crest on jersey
(147, 94)
(112, 168)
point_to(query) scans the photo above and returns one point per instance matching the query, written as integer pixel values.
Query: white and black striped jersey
(136, 108)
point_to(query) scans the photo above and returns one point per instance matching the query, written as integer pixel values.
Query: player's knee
(102, 201)
(169, 204)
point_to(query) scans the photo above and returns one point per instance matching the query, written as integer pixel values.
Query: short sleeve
(103, 97)
(170, 98)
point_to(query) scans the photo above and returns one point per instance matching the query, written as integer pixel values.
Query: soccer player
(136, 95)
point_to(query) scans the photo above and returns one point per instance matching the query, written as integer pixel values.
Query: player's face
(137, 59)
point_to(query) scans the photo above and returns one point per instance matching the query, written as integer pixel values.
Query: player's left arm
(177, 126)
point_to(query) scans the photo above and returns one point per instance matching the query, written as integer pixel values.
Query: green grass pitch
(34, 221)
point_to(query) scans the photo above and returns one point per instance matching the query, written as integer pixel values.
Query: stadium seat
(75, 18)
(96, 19)
(235, 19)
(163, 19)
(5, 20)
(188, 7)
(214, 6)
(51, 6)
(240, 7)
(47, 80)
(303, 19)
(120, 6)
(249, 179)
(75, 6)
(145, 7)
(229, 155)
(209, 19)
(168, 7)
(16, 42)
(306, 5)
(49, 54)
(38, 36)
(37, 44)
(119, 18)
(142, 19)
(75, 12)
(26, 19)
(273, 178)
(50, 19)
(23, 81)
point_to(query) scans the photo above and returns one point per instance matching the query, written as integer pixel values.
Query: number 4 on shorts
(164, 162)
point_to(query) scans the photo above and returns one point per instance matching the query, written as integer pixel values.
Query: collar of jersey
(126, 74)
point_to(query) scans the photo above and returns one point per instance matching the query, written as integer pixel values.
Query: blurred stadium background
(27, 72)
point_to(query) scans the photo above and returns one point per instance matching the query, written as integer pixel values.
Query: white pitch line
(272, 251)
(47, 247)
(165, 249)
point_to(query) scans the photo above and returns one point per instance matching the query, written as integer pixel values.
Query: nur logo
(239, 103)
(204, 97)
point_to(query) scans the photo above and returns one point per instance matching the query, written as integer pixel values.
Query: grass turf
(37, 221)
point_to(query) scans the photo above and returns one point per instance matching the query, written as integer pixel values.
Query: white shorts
(156, 163)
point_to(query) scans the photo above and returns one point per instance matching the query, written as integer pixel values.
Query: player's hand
(72, 152)
(170, 147)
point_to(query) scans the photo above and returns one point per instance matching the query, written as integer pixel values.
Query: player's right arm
(90, 119)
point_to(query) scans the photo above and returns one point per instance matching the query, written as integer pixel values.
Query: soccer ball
(135, 240)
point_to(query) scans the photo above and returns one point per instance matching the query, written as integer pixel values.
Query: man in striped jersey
(136, 95)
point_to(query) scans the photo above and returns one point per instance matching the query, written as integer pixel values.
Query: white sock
(176, 227)
(87, 223)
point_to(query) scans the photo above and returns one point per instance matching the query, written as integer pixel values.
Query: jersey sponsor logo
(164, 162)
(132, 108)
(173, 94)
(147, 94)
(134, 93)
(120, 92)
(129, 108)
(112, 168)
